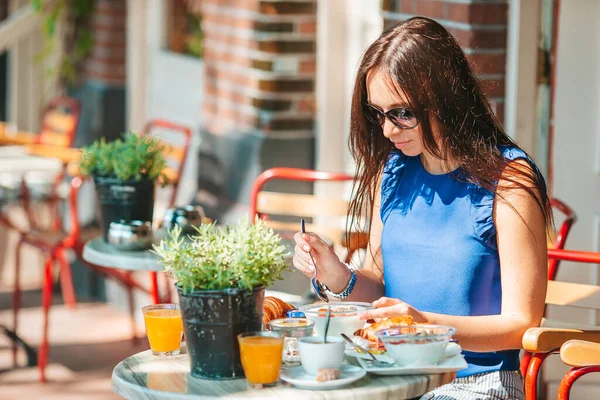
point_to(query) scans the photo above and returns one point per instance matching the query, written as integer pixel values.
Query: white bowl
(344, 317)
(316, 355)
(416, 344)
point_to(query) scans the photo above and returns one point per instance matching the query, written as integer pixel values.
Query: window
(184, 29)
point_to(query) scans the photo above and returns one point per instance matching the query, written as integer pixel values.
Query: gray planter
(212, 319)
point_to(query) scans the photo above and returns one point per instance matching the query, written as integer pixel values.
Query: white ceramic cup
(316, 355)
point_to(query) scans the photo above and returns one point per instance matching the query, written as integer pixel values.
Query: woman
(458, 212)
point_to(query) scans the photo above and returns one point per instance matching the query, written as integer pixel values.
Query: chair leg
(570, 377)
(66, 280)
(525, 363)
(46, 303)
(16, 296)
(154, 287)
(531, 379)
(131, 299)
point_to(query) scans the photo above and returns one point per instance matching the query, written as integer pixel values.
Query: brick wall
(259, 60)
(480, 26)
(106, 63)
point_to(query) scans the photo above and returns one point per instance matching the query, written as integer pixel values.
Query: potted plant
(221, 274)
(124, 172)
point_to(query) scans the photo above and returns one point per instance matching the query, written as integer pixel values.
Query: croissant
(275, 308)
(369, 332)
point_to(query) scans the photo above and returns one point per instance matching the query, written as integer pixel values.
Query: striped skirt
(499, 385)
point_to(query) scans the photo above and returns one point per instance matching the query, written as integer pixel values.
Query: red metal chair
(59, 122)
(274, 207)
(174, 153)
(584, 357)
(54, 246)
(560, 239)
(556, 242)
(543, 341)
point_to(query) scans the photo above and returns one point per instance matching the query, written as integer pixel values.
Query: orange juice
(164, 328)
(261, 358)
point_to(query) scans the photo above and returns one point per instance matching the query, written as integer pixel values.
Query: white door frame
(137, 62)
(520, 112)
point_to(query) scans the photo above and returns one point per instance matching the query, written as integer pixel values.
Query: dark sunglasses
(401, 117)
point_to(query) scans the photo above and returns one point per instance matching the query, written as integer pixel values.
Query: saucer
(453, 360)
(300, 379)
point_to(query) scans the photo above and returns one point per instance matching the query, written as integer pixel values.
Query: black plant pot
(129, 200)
(212, 319)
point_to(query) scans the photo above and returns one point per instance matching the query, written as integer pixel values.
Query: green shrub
(133, 157)
(220, 257)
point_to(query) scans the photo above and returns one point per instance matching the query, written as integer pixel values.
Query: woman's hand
(330, 269)
(387, 307)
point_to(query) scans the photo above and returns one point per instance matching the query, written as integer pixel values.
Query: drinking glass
(260, 353)
(163, 328)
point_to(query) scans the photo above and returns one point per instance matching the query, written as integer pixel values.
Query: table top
(16, 160)
(8, 136)
(144, 376)
(98, 252)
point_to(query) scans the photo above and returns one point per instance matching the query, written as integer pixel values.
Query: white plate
(453, 361)
(299, 378)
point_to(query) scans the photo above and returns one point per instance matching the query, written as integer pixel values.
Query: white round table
(145, 376)
(98, 252)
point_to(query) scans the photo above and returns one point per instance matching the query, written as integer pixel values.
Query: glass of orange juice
(260, 353)
(163, 328)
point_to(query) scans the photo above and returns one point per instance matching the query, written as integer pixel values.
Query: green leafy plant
(133, 157)
(220, 257)
(65, 22)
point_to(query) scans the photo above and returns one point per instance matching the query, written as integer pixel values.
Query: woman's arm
(369, 279)
(335, 274)
(521, 239)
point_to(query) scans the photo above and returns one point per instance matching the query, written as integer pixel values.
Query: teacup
(316, 355)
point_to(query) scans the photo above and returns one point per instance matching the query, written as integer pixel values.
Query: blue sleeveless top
(439, 247)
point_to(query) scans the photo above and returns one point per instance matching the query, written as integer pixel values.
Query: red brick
(408, 6)
(108, 7)
(223, 92)
(224, 56)
(480, 38)
(389, 5)
(306, 105)
(430, 8)
(487, 63)
(308, 66)
(287, 8)
(478, 13)
(212, 36)
(228, 20)
(307, 27)
(116, 53)
(493, 87)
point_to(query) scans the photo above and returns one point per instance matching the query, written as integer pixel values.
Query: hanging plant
(65, 24)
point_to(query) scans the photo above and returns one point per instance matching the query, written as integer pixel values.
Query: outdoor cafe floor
(86, 343)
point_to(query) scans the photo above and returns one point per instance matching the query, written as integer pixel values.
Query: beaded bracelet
(349, 287)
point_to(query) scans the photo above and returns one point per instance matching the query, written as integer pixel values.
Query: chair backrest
(572, 294)
(558, 241)
(177, 139)
(59, 122)
(279, 208)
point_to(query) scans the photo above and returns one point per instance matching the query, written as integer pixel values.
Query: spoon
(316, 285)
(327, 323)
(362, 350)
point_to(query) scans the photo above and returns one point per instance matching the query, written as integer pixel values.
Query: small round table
(144, 376)
(98, 252)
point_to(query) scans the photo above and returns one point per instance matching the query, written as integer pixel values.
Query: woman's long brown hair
(423, 60)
